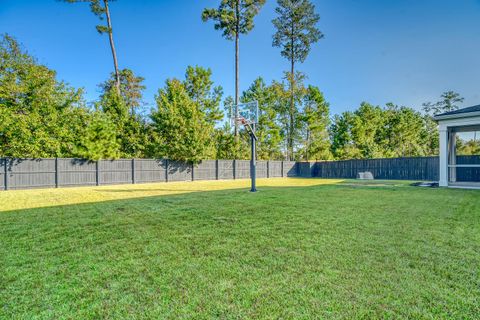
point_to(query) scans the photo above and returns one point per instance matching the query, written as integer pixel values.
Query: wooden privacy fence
(421, 168)
(62, 172)
(414, 168)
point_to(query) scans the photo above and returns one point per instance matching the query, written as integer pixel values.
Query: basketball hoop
(246, 114)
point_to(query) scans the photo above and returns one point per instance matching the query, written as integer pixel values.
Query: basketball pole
(253, 163)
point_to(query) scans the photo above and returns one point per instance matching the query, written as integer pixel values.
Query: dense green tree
(131, 88)
(374, 132)
(289, 116)
(367, 130)
(39, 115)
(430, 136)
(234, 17)
(183, 130)
(132, 130)
(450, 101)
(101, 9)
(268, 130)
(98, 139)
(199, 86)
(468, 148)
(405, 132)
(227, 146)
(316, 121)
(343, 146)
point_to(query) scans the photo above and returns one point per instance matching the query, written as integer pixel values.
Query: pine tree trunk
(237, 54)
(112, 46)
(308, 143)
(292, 92)
(291, 111)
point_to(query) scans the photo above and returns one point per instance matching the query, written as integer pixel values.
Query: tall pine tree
(295, 32)
(183, 130)
(234, 17)
(316, 119)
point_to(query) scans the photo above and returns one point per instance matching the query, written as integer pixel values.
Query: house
(460, 172)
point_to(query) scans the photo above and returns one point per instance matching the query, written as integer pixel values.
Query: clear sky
(401, 51)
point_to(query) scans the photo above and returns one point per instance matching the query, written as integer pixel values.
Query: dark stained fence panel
(150, 170)
(421, 168)
(290, 169)
(468, 174)
(306, 169)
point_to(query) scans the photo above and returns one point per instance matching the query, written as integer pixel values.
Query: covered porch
(460, 126)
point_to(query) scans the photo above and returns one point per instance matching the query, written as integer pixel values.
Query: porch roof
(469, 112)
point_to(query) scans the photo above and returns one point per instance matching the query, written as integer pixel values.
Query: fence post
(193, 173)
(282, 169)
(234, 169)
(5, 173)
(268, 168)
(133, 170)
(97, 173)
(166, 170)
(56, 172)
(216, 170)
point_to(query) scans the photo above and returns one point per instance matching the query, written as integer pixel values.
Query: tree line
(41, 116)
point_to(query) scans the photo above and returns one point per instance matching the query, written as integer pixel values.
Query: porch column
(452, 155)
(443, 157)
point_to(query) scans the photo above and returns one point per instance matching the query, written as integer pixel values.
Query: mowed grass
(297, 249)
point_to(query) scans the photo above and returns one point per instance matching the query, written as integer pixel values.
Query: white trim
(443, 157)
(471, 121)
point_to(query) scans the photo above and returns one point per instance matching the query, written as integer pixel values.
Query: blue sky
(401, 51)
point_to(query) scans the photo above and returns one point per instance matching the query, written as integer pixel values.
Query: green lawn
(297, 249)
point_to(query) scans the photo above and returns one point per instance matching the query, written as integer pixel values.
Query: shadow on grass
(195, 197)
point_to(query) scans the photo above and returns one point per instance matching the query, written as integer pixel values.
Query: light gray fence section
(46, 173)
(3, 173)
(242, 169)
(179, 171)
(30, 173)
(262, 168)
(115, 171)
(76, 172)
(226, 169)
(70, 172)
(150, 170)
(274, 169)
(206, 170)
